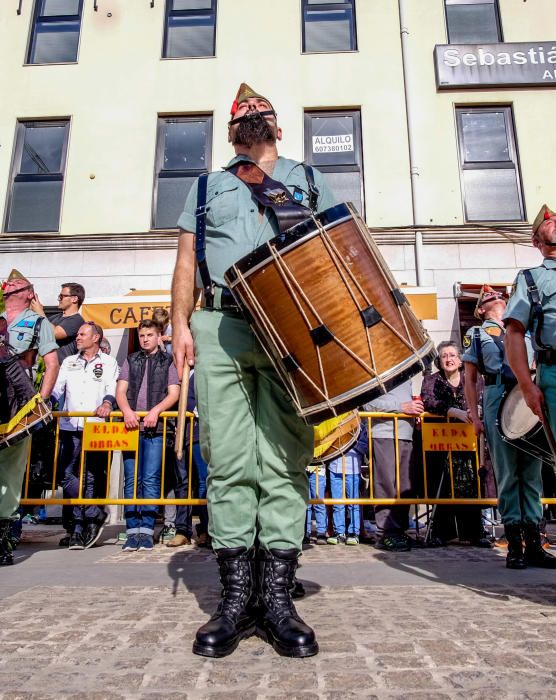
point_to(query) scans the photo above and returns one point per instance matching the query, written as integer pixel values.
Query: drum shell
(300, 280)
(533, 440)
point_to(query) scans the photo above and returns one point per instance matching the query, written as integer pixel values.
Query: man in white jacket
(86, 383)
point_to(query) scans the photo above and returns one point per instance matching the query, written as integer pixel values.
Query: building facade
(435, 117)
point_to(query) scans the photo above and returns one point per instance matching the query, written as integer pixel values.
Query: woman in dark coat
(443, 394)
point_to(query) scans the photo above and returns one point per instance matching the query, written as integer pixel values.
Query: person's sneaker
(203, 540)
(76, 541)
(394, 543)
(167, 534)
(179, 540)
(145, 542)
(336, 539)
(94, 530)
(352, 540)
(131, 544)
(64, 542)
(322, 539)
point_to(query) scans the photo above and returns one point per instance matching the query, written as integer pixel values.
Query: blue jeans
(338, 511)
(183, 513)
(319, 510)
(141, 519)
(75, 518)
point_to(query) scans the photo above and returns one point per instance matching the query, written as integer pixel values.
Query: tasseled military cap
(244, 93)
(486, 294)
(544, 214)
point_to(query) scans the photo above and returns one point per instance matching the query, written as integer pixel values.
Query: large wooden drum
(329, 313)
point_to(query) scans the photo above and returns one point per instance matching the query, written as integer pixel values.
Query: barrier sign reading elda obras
(449, 437)
(100, 437)
(338, 143)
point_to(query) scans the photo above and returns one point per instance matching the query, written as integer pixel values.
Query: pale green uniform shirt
(233, 228)
(492, 358)
(520, 307)
(21, 331)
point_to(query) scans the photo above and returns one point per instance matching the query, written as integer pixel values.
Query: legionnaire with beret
(26, 333)
(532, 309)
(518, 474)
(256, 447)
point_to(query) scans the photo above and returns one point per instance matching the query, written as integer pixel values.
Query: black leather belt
(223, 300)
(546, 357)
(491, 379)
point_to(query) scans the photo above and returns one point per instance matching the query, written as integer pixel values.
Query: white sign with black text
(338, 143)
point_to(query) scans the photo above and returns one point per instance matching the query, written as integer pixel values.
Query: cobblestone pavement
(423, 635)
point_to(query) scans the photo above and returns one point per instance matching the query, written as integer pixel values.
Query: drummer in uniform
(255, 445)
(26, 331)
(532, 309)
(518, 474)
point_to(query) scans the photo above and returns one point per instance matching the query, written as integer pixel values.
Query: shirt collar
(550, 263)
(81, 357)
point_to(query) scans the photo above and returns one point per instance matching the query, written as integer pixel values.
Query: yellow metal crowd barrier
(451, 433)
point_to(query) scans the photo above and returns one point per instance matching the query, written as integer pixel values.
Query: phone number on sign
(333, 149)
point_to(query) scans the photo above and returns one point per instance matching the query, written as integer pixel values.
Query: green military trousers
(13, 461)
(518, 474)
(546, 379)
(255, 445)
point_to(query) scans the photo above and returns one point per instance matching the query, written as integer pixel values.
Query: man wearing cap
(26, 333)
(256, 447)
(518, 474)
(532, 308)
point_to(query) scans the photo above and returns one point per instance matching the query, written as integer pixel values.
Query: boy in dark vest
(148, 382)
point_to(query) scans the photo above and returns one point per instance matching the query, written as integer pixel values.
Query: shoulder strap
(534, 298)
(270, 194)
(36, 331)
(478, 349)
(200, 245)
(313, 189)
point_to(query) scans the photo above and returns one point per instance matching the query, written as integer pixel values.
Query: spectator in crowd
(443, 394)
(348, 467)
(317, 486)
(25, 333)
(161, 317)
(183, 515)
(68, 322)
(148, 382)
(392, 521)
(86, 383)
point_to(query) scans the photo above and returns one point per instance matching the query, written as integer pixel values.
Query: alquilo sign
(492, 65)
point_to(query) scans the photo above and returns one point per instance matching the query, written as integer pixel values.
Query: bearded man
(255, 445)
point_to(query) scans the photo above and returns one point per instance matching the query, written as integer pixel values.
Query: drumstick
(549, 434)
(182, 410)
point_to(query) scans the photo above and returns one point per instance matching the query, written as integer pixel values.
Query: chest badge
(297, 194)
(276, 196)
(98, 370)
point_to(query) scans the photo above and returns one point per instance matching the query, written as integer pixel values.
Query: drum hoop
(500, 418)
(6, 428)
(274, 243)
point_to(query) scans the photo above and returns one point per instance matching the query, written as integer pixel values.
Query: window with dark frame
(328, 26)
(55, 31)
(489, 164)
(35, 194)
(183, 152)
(473, 21)
(190, 28)
(333, 145)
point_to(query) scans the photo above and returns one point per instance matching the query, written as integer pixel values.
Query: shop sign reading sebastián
(474, 65)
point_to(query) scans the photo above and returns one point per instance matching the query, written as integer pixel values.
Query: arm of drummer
(516, 354)
(52, 367)
(471, 397)
(183, 302)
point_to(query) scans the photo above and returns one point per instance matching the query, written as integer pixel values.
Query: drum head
(516, 418)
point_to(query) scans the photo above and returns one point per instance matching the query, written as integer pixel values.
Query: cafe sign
(495, 65)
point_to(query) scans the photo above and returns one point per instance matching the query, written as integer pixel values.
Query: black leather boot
(6, 549)
(514, 558)
(535, 555)
(278, 621)
(234, 618)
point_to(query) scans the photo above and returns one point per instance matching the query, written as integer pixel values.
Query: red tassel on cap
(546, 215)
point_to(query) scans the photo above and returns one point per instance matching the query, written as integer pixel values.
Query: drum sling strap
(506, 374)
(534, 297)
(268, 193)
